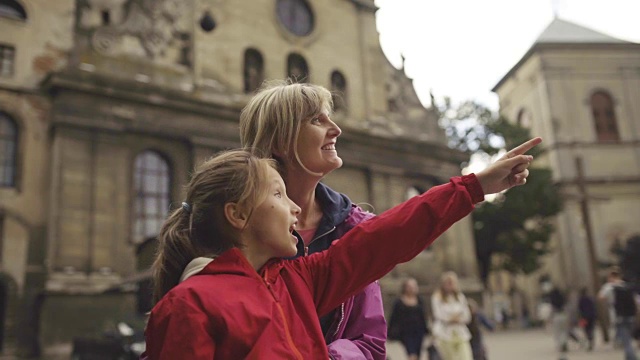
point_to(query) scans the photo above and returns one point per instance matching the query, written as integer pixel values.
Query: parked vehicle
(121, 343)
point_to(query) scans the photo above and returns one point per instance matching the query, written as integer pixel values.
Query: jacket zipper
(341, 320)
(284, 319)
(306, 248)
(306, 253)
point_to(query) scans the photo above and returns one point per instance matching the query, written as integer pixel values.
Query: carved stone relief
(157, 29)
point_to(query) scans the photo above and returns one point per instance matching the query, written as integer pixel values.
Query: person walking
(621, 298)
(559, 321)
(408, 322)
(478, 320)
(588, 314)
(451, 315)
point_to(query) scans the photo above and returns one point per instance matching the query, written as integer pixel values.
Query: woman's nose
(335, 130)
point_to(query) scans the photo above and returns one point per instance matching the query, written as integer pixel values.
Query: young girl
(223, 289)
(291, 123)
(451, 314)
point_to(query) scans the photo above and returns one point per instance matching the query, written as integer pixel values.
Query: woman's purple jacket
(357, 329)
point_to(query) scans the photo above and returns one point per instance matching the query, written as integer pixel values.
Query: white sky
(462, 48)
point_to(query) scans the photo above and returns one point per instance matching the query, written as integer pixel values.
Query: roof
(562, 32)
(565, 32)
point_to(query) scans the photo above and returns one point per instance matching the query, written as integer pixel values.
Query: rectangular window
(7, 60)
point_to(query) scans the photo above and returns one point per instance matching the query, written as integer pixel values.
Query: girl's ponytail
(175, 251)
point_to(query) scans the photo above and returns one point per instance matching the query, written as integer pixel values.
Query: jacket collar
(232, 262)
(336, 207)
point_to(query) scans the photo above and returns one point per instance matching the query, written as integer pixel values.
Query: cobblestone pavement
(527, 345)
(502, 345)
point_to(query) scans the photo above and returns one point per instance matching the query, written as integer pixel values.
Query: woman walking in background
(408, 322)
(451, 315)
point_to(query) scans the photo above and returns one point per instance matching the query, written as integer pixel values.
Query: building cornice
(539, 47)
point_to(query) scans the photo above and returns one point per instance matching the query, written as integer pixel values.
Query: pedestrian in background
(621, 298)
(588, 313)
(451, 315)
(478, 320)
(559, 321)
(408, 322)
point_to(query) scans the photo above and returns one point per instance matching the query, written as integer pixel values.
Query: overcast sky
(462, 48)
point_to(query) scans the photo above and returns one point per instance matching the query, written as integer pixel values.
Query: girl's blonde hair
(200, 228)
(270, 122)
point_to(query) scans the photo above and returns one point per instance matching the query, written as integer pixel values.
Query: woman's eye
(278, 194)
(315, 120)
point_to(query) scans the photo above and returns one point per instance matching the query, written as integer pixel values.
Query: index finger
(524, 147)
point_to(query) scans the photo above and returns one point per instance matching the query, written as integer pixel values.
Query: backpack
(624, 301)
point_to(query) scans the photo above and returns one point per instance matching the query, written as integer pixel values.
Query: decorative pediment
(153, 29)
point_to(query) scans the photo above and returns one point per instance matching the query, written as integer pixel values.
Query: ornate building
(106, 106)
(578, 89)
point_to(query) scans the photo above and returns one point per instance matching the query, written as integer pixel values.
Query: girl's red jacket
(230, 311)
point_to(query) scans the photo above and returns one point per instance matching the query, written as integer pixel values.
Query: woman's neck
(302, 191)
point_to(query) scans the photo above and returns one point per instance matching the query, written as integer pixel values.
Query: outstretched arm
(373, 248)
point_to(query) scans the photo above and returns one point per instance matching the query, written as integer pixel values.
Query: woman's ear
(235, 216)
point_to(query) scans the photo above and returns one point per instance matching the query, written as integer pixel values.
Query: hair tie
(186, 207)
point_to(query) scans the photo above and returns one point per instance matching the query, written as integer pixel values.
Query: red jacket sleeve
(373, 248)
(178, 330)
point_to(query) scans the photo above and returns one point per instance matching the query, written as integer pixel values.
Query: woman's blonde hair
(199, 228)
(453, 277)
(270, 122)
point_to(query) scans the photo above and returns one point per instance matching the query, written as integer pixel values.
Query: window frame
(4, 47)
(296, 6)
(245, 69)
(604, 116)
(139, 196)
(4, 116)
(339, 94)
(306, 78)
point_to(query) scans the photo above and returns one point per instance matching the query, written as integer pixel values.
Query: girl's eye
(278, 194)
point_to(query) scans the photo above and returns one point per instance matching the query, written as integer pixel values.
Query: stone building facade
(578, 89)
(107, 105)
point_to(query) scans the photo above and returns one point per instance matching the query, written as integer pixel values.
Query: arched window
(8, 153)
(339, 91)
(151, 181)
(297, 68)
(13, 10)
(524, 118)
(604, 116)
(253, 70)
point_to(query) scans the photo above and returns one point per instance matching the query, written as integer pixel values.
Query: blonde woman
(451, 315)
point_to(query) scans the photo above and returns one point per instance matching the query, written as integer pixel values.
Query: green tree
(513, 231)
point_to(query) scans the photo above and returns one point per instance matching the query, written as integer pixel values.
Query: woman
(451, 315)
(408, 322)
(292, 123)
